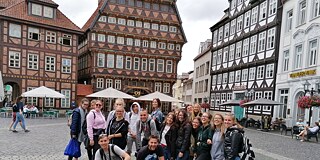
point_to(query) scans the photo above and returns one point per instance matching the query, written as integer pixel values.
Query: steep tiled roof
(7, 3)
(87, 25)
(19, 11)
(84, 90)
(48, 1)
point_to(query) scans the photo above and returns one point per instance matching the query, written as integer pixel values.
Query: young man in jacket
(145, 128)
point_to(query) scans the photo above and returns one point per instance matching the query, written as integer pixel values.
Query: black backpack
(158, 125)
(84, 125)
(103, 156)
(15, 108)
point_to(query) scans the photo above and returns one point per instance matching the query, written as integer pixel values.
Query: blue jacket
(76, 122)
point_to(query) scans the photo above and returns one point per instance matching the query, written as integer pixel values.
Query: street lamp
(312, 91)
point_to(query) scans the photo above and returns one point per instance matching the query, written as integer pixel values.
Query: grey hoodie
(217, 148)
(133, 118)
(145, 133)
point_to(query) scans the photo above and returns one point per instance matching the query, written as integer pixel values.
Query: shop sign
(303, 73)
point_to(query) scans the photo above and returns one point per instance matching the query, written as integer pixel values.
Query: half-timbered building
(133, 46)
(38, 47)
(244, 55)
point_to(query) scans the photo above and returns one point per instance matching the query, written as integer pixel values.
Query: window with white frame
(36, 9)
(93, 36)
(258, 95)
(14, 59)
(51, 37)
(100, 82)
(164, 28)
(283, 99)
(103, 19)
(169, 66)
(289, 21)
(119, 63)
(315, 8)
(244, 75)
(170, 46)
(173, 29)
(231, 77)
(153, 44)
(33, 33)
(65, 102)
(102, 38)
(152, 64)
(129, 41)
(136, 63)
(109, 83)
(166, 87)
(130, 23)
(162, 45)
(49, 102)
(66, 65)
(112, 20)
(47, 12)
(253, 44)
(157, 86)
(268, 95)
(260, 72)
(100, 59)
(65, 39)
(262, 41)
(33, 61)
(219, 57)
(32, 100)
(120, 40)
(298, 57)
(110, 61)
(178, 47)
(252, 73)
(254, 15)
(247, 16)
(121, 21)
(233, 27)
(219, 79)
(144, 64)
(286, 58)
(117, 84)
(245, 51)
(302, 12)
(128, 62)
(214, 80)
(269, 70)
(220, 34)
(225, 78)
(160, 65)
(146, 25)
(271, 38)
(263, 11)
(145, 43)
(272, 7)
(226, 30)
(231, 53)
(239, 23)
(225, 54)
(137, 42)
(233, 4)
(313, 47)
(223, 97)
(50, 63)
(238, 76)
(238, 49)
(155, 26)
(214, 58)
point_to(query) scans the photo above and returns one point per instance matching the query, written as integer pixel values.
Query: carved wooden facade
(245, 52)
(132, 45)
(38, 47)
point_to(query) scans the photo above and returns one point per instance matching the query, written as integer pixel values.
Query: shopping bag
(73, 148)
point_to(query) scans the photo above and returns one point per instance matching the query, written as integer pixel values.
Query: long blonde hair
(222, 127)
(199, 113)
(235, 122)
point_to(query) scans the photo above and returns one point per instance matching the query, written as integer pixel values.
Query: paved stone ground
(48, 138)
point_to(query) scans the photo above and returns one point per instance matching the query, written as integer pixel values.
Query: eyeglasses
(205, 116)
(98, 104)
(217, 118)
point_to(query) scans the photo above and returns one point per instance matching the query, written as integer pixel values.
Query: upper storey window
(48, 12)
(36, 9)
(316, 8)
(40, 10)
(164, 28)
(272, 7)
(147, 5)
(155, 6)
(103, 19)
(139, 3)
(233, 4)
(302, 13)
(14, 30)
(65, 39)
(164, 8)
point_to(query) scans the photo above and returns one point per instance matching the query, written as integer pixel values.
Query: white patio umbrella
(161, 96)
(1, 88)
(43, 92)
(111, 93)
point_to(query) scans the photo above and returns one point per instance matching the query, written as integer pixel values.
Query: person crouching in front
(109, 151)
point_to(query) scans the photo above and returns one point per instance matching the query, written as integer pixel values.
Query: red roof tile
(48, 1)
(7, 3)
(19, 11)
(84, 90)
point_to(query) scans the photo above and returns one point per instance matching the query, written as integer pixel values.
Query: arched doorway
(12, 90)
(300, 111)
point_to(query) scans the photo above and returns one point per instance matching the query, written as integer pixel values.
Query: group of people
(181, 135)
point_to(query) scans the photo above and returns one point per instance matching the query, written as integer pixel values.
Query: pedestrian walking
(18, 109)
(204, 138)
(183, 138)
(217, 149)
(14, 115)
(109, 151)
(233, 138)
(145, 128)
(134, 117)
(168, 136)
(153, 151)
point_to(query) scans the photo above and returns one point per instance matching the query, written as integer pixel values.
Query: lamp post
(312, 91)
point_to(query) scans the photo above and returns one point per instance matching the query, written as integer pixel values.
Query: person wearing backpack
(145, 128)
(134, 116)
(109, 151)
(233, 141)
(217, 149)
(18, 108)
(96, 125)
(156, 114)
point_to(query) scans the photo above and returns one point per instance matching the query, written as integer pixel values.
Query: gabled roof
(48, 1)
(7, 3)
(91, 20)
(19, 10)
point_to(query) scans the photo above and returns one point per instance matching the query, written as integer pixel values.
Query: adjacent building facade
(187, 88)
(202, 78)
(244, 54)
(38, 47)
(133, 46)
(299, 58)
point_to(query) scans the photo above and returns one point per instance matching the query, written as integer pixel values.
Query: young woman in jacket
(217, 149)
(196, 124)
(183, 138)
(233, 138)
(204, 137)
(168, 136)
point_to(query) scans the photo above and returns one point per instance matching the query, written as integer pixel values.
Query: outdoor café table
(7, 110)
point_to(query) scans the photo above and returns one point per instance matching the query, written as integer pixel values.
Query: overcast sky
(197, 17)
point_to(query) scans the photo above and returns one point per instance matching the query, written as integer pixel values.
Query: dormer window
(36, 9)
(48, 12)
(40, 10)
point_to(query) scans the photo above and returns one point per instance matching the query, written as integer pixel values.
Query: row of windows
(138, 24)
(203, 69)
(34, 34)
(50, 102)
(298, 57)
(249, 46)
(43, 11)
(201, 86)
(244, 75)
(33, 62)
(135, 42)
(249, 18)
(135, 63)
(145, 5)
(235, 3)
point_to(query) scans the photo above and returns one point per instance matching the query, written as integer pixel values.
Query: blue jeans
(19, 118)
(167, 153)
(185, 155)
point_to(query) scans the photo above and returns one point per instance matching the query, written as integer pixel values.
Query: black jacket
(233, 143)
(75, 126)
(183, 139)
(171, 137)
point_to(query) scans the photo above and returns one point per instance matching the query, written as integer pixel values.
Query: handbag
(86, 142)
(73, 148)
